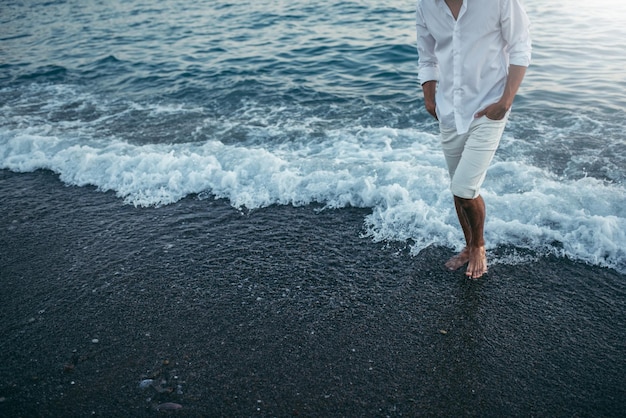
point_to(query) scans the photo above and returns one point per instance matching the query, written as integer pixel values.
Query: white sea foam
(400, 174)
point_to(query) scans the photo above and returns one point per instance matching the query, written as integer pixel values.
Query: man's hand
(430, 88)
(431, 108)
(498, 110)
(495, 111)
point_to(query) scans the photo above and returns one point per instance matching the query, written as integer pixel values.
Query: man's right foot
(458, 260)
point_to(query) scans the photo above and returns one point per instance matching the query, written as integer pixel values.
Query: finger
(482, 113)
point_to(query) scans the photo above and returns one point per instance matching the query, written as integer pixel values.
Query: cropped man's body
(473, 56)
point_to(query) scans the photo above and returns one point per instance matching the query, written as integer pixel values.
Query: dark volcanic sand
(283, 311)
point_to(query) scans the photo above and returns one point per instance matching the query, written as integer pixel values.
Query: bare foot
(458, 260)
(477, 263)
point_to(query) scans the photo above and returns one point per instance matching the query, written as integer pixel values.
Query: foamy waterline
(398, 173)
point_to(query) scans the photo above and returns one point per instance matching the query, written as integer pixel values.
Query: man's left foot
(477, 263)
(458, 260)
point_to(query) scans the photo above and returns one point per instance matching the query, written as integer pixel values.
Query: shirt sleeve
(428, 66)
(516, 32)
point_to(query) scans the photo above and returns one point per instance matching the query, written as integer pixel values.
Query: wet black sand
(283, 312)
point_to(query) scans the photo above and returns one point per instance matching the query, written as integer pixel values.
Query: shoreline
(283, 311)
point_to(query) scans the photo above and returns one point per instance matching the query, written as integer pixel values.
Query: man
(473, 56)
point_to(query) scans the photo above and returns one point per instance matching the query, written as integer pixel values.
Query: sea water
(314, 102)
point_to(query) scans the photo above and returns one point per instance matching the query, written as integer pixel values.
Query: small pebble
(443, 331)
(169, 406)
(146, 383)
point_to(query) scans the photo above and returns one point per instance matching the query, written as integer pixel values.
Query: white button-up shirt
(472, 54)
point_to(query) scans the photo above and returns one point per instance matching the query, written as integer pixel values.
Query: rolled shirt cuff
(428, 74)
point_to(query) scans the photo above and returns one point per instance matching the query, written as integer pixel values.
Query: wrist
(506, 102)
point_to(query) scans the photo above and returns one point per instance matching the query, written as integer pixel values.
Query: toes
(475, 273)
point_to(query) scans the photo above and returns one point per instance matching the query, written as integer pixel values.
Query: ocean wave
(398, 173)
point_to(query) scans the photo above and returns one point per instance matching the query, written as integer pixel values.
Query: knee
(465, 202)
(463, 191)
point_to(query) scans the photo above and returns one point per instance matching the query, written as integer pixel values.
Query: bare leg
(461, 258)
(471, 213)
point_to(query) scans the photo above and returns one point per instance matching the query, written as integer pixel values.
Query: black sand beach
(283, 311)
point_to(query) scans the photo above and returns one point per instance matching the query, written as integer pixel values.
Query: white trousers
(468, 155)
